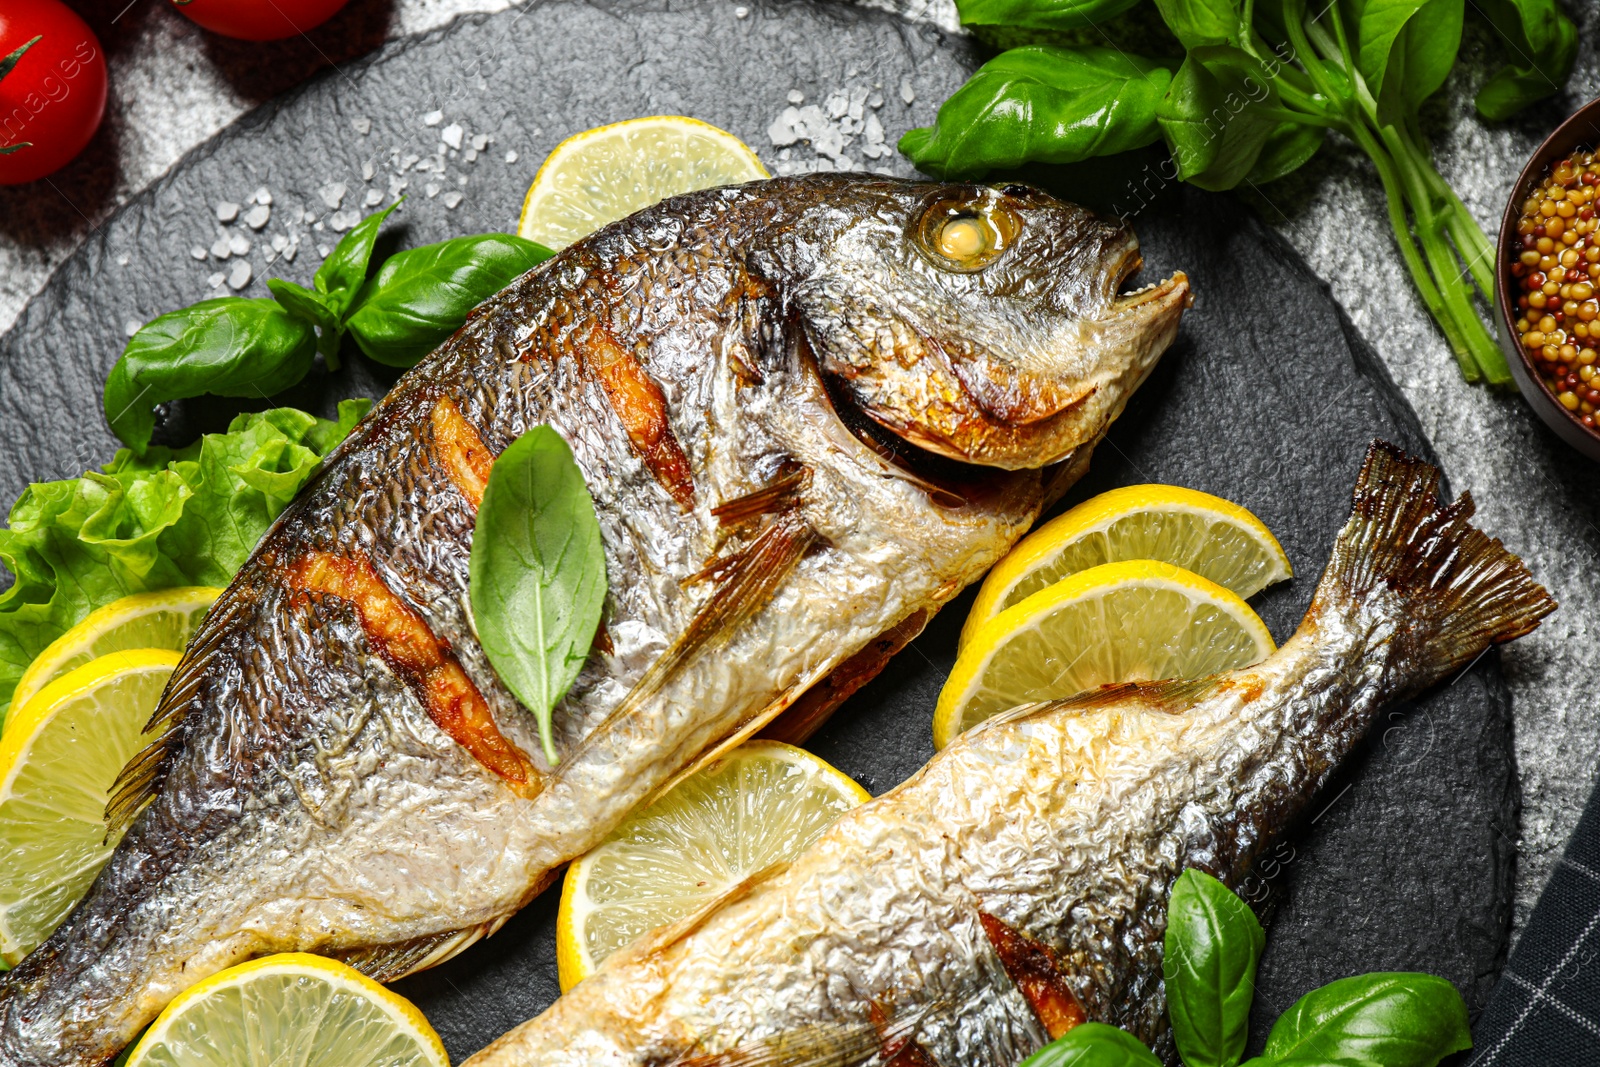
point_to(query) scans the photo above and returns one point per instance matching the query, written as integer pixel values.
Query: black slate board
(1269, 398)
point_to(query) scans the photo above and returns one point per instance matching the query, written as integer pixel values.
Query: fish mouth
(1123, 300)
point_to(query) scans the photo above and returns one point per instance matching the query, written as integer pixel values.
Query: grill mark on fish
(642, 407)
(461, 452)
(1033, 967)
(401, 637)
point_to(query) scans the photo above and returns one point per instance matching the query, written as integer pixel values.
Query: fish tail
(1448, 589)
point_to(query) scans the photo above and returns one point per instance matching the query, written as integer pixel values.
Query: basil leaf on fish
(537, 572)
(1372, 1020)
(1213, 945)
(419, 297)
(230, 346)
(1043, 104)
(1093, 1045)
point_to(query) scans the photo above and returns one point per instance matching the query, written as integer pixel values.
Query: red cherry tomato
(53, 95)
(259, 20)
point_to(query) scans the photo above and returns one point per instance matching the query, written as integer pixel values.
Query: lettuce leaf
(189, 516)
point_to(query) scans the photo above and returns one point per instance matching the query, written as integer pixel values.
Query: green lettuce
(172, 517)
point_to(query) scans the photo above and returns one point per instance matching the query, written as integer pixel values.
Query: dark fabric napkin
(1545, 1010)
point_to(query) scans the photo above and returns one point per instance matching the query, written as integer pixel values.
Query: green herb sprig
(537, 576)
(1213, 945)
(1261, 84)
(233, 346)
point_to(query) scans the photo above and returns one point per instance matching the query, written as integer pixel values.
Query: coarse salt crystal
(239, 244)
(198, 252)
(216, 280)
(219, 247)
(363, 125)
(451, 135)
(374, 198)
(480, 141)
(262, 195)
(258, 216)
(431, 190)
(131, 327)
(741, 12)
(343, 220)
(322, 250)
(908, 95)
(433, 118)
(451, 199)
(511, 157)
(240, 275)
(332, 194)
(796, 96)
(279, 242)
(227, 211)
(367, 171)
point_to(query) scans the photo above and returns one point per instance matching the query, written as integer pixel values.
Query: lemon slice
(761, 804)
(166, 619)
(1119, 622)
(607, 173)
(59, 756)
(291, 1008)
(1212, 537)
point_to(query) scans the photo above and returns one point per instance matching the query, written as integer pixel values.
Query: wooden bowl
(1581, 130)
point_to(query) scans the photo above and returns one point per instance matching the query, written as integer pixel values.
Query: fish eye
(966, 234)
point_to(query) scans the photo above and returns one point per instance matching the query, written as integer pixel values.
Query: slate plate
(1268, 398)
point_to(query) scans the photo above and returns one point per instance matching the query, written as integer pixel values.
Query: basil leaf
(1372, 1020)
(343, 273)
(314, 308)
(1198, 23)
(1041, 104)
(1406, 49)
(420, 297)
(1093, 1045)
(537, 576)
(1288, 148)
(1040, 14)
(1213, 944)
(225, 347)
(1210, 116)
(1543, 44)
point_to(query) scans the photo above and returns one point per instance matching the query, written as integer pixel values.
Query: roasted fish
(809, 411)
(1017, 885)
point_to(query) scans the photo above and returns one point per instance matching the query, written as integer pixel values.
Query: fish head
(981, 323)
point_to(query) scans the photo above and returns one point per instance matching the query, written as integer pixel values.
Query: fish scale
(339, 768)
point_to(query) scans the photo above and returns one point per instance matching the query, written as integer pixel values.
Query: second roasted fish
(1017, 886)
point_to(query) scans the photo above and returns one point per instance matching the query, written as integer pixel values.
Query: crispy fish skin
(341, 771)
(1017, 885)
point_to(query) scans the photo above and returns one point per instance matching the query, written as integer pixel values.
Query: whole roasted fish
(780, 395)
(1017, 885)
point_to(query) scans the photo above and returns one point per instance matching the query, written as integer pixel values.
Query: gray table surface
(172, 87)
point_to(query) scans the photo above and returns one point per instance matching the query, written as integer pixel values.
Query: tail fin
(1458, 589)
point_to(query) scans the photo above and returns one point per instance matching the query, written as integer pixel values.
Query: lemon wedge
(59, 757)
(1212, 537)
(1119, 622)
(291, 1008)
(166, 619)
(761, 804)
(607, 173)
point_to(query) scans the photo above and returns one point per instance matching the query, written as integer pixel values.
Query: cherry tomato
(53, 95)
(259, 20)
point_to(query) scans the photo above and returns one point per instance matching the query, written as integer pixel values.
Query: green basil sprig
(1259, 87)
(1213, 944)
(232, 346)
(1543, 45)
(420, 297)
(1043, 104)
(537, 577)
